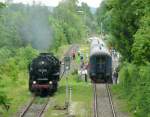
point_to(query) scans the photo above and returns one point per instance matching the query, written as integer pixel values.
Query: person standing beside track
(73, 54)
(86, 69)
(115, 77)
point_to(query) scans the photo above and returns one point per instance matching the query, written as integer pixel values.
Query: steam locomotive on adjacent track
(100, 64)
(44, 72)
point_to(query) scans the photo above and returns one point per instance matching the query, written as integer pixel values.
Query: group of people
(84, 67)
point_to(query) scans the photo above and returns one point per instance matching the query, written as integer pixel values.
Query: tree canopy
(124, 20)
(126, 24)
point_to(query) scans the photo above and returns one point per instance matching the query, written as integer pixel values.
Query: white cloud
(92, 3)
(2, 0)
(45, 2)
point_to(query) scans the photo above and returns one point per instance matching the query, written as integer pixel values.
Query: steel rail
(110, 100)
(44, 107)
(27, 107)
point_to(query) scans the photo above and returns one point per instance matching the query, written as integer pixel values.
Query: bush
(4, 100)
(11, 68)
(143, 92)
(134, 86)
(127, 79)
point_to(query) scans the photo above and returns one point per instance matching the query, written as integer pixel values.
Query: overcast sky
(92, 3)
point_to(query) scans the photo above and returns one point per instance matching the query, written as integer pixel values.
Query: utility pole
(67, 93)
(67, 61)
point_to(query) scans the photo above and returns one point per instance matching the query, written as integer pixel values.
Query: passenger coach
(100, 64)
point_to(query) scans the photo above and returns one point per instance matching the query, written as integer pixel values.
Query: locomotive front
(44, 73)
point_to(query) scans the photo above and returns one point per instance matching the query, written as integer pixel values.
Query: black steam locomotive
(44, 72)
(100, 65)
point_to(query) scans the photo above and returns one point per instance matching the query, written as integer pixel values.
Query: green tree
(126, 24)
(88, 18)
(68, 26)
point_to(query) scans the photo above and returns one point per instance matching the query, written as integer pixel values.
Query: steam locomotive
(100, 64)
(44, 72)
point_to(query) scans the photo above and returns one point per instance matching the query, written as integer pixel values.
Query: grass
(81, 103)
(122, 103)
(18, 94)
(81, 98)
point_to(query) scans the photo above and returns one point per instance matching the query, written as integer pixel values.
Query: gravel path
(103, 104)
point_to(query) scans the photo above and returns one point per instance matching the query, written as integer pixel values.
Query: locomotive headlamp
(42, 62)
(34, 82)
(50, 82)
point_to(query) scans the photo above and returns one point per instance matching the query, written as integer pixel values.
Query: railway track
(35, 109)
(68, 53)
(103, 105)
(110, 100)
